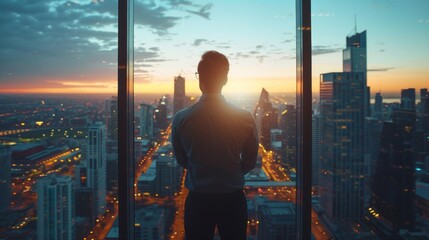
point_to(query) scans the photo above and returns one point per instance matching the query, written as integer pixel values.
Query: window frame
(126, 119)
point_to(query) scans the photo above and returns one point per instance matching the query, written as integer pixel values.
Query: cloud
(70, 39)
(288, 40)
(320, 49)
(423, 21)
(204, 11)
(385, 69)
(323, 14)
(199, 41)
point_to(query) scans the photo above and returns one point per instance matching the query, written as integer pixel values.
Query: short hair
(213, 66)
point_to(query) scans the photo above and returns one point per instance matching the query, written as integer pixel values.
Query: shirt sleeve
(250, 150)
(178, 149)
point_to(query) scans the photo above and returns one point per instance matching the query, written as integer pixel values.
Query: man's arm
(178, 149)
(250, 151)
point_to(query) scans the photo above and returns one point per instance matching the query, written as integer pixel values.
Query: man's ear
(225, 81)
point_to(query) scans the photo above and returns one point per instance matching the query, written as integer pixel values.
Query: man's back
(216, 142)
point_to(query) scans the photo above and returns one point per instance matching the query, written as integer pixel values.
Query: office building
(288, 126)
(424, 111)
(168, 176)
(355, 60)
(5, 177)
(408, 98)
(146, 120)
(55, 208)
(266, 118)
(392, 207)
(91, 172)
(161, 113)
(112, 122)
(315, 163)
(179, 93)
(342, 105)
(378, 106)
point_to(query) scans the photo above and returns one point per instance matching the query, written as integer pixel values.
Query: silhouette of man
(217, 143)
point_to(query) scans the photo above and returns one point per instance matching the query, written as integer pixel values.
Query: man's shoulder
(182, 114)
(241, 112)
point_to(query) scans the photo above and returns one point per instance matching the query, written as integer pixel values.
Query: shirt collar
(212, 97)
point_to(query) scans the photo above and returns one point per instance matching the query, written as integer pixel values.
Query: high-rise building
(392, 206)
(424, 110)
(146, 120)
(315, 163)
(55, 208)
(161, 113)
(378, 106)
(179, 93)
(266, 118)
(91, 172)
(342, 105)
(168, 175)
(355, 60)
(112, 123)
(288, 126)
(5, 177)
(408, 98)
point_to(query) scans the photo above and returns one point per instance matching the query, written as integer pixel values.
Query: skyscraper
(288, 127)
(168, 175)
(161, 113)
(55, 208)
(315, 163)
(392, 206)
(5, 177)
(112, 124)
(408, 98)
(266, 118)
(342, 105)
(179, 93)
(146, 120)
(354, 60)
(378, 106)
(424, 110)
(91, 172)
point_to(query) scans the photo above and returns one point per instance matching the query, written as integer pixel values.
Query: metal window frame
(304, 111)
(126, 119)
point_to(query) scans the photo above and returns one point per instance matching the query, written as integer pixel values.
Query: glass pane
(370, 121)
(58, 124)
(259, 41)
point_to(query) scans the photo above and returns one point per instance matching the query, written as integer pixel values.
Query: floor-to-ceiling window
(59, 119)
(370, 119)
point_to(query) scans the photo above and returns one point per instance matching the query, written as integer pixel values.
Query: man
(217, 143)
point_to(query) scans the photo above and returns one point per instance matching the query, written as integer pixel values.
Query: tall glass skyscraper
(342, 105)
(179, 93)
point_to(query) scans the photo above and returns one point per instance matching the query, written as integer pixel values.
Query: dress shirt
(216, 142)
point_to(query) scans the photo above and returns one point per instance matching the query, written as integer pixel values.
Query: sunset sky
(70, 46)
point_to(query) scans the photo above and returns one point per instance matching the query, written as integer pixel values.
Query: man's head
(213, 72)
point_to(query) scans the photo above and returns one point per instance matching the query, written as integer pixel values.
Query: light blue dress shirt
(216, 142)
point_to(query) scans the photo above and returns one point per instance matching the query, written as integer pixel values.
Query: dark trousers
(227, 211)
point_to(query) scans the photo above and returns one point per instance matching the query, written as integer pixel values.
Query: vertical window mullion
(304, 105)
(126, 119)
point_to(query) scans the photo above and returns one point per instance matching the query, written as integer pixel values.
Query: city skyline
(55, 53)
